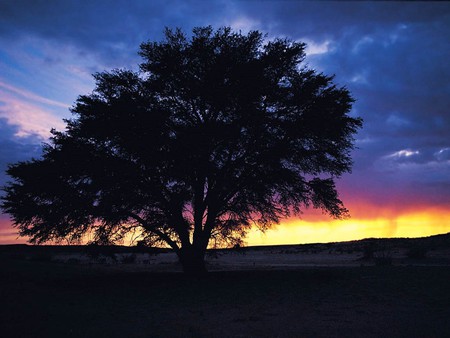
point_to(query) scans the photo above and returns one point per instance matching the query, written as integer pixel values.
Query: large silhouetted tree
(217, 132)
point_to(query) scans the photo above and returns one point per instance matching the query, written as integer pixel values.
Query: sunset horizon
(319, 228)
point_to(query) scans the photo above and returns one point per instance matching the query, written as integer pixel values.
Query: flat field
(265, 294)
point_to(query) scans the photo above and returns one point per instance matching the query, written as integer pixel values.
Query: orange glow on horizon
(301, 231)
(318, 228)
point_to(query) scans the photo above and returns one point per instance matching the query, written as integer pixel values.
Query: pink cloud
(30, 112)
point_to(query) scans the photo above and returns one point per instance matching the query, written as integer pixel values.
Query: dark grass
(47, 299)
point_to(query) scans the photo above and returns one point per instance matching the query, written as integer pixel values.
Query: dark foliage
(215, 133)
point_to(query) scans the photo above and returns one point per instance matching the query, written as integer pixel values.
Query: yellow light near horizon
(297, 231)
(426, 222)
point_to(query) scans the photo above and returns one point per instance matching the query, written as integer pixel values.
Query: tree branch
(157, 232)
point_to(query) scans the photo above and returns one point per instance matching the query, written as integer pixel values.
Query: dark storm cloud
(111, 29)
(15, 149)
(334, 19)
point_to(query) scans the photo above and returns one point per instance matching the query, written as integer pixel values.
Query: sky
(392, 56)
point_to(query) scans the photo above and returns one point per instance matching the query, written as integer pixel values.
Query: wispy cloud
(403, 153)
(31, 113)
(30, 96)
(243, 23)
(314, 48)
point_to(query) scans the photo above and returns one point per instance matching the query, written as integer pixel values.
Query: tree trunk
(192, 260)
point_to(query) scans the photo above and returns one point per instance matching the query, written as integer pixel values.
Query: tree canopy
(216, 132)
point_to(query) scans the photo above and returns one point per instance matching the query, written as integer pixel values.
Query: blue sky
(393, 56)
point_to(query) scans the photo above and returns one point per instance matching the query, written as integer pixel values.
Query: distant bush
(73, 261)
(17, 255)
(213, 254)
(383, 257)
(129, 259)
(238, 248)
(93, 251)
(417, 252)
(383, 260)
(368, 251)
(40, 257)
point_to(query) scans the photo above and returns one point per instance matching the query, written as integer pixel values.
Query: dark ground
(50, 299)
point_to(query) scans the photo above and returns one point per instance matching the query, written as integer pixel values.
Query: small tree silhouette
(215, 133)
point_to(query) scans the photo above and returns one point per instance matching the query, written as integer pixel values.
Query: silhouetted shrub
(383, 257)
(17, 255)
(73, 261)
(93, 251)
(41, 257)
(368, 251)
(417, 252)
(212, 254)
(383, 260)
(129, 259)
